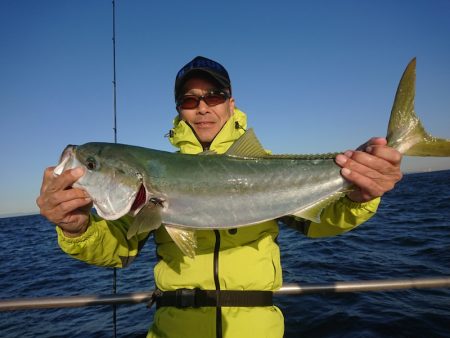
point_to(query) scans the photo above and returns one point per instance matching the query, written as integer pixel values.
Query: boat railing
(286, 289)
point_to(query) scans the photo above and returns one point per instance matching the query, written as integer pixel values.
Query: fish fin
(185, 239)
(312, 212)
(208, 152)
(148, 219)
(405, 131)
(247, 145)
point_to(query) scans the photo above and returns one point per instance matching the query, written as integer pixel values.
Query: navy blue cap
(201, 64)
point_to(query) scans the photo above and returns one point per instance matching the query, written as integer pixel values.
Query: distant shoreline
(425, 171)
(19, 214)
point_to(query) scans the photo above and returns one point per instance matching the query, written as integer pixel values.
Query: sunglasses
(213, 98)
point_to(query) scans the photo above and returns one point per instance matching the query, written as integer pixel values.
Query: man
(238, 268)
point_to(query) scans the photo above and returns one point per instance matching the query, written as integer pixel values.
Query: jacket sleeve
(104, 243)
(342, 216)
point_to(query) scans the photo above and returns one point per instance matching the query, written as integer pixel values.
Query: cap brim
(221, 80)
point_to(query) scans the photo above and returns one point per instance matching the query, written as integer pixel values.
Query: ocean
(409, 237)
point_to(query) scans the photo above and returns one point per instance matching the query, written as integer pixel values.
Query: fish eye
(91, 163)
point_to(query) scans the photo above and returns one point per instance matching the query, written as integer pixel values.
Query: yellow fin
(405, 131)
(184, 238)
(430, 146)
(312, 212)
(207, 152)
(247, 145)
(148, 219)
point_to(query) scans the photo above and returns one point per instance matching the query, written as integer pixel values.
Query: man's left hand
(374, 169)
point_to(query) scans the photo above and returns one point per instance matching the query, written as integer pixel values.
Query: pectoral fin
(184, 239)
(148, 219)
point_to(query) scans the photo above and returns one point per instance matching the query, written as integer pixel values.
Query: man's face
(206, 121)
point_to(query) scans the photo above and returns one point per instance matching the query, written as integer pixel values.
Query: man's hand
(63, 205)
(374, 169)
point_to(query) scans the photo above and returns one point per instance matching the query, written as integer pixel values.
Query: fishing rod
(115, 141)
(289, 289)
(114, 70)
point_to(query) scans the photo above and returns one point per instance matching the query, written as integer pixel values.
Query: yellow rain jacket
(247, 258)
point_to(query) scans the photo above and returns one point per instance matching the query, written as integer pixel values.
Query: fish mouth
(140, 200)
(65, 159)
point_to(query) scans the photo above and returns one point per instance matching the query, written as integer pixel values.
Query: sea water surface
(408, 238)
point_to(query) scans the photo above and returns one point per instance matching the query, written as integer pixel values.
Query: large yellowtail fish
(242, 187)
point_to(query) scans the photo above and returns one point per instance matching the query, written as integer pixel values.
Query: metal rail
(287, 289)
(364, 286)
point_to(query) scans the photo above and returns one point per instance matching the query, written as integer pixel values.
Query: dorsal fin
(207, 152)
(247, 145)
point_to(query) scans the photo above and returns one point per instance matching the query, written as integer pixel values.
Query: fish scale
(223, 192)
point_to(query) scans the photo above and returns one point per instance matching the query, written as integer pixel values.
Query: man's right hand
(63, 205)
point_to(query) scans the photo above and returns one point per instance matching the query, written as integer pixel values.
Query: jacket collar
(182, 136)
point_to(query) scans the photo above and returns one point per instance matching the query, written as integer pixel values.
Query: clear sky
(313, 76)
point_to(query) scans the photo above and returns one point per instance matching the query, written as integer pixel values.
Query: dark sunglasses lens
(189, 102)
(214, 99)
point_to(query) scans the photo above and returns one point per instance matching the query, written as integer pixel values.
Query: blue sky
(313, 76)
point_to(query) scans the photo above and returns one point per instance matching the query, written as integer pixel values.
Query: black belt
(183, 298)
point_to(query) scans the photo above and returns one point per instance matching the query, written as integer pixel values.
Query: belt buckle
(185, 298)
(154, 297)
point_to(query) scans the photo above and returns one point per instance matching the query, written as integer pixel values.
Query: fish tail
(405, 131)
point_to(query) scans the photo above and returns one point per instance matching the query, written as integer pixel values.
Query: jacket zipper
(217, 284)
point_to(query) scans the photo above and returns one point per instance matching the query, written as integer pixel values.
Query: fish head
(111, 178)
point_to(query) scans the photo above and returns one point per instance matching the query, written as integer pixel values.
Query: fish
(244, 186)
